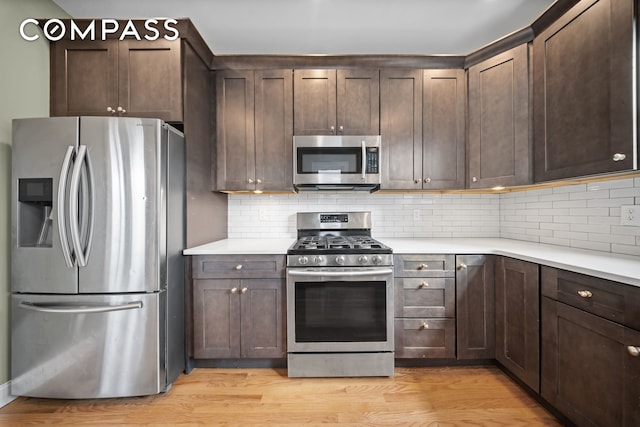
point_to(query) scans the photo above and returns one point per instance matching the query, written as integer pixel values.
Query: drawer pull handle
(585, 294)
(423, 267)
(424, 325)
(618, 157)
(234, 290)
(633, 350)
(462, 266)
(238, 267)
(424, 285)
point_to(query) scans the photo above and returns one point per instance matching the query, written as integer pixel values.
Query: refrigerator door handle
(62, 216)
(88, 204)
(73, 206)
(75, 309)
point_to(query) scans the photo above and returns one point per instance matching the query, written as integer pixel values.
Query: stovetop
(357, 244)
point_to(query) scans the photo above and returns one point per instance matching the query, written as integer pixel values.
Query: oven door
(336, 160)
(340, 309)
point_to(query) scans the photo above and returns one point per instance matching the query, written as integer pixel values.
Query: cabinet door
(584, 92)
(263, 324)
(401, 129)
(499, 120)
(216, 318)
(425, 338)
(475, 307)
(358, 102)
(314, 102)
(517, 319)
(235, 130)
(587, 371)
(274, 130)
(84, 77)
(443, 164)
(150, 79)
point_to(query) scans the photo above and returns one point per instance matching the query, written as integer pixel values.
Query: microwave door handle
(364, 161)
(62, 215)
(73, 206)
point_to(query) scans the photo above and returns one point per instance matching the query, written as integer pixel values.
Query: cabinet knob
(258, 181)
(423, 285)
(474, 179)
(427, 180)
(111, 110)
(243, 290)
(250, 181)
(341, 129)
(333, 129)
(618, 157)
(633, 350)
(238, 267)
(121, 110)
(462, 266)
(234, 290)
(417, 181)
(423, 267)
(424, 325)
(585, 294)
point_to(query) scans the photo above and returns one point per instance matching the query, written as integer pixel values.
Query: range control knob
(340, 260)
(362, 259)
(303, 260)
(376, 259)
(317, 260)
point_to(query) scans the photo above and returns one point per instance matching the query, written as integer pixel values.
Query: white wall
(24, 92)
(437, 215)
(581, 216)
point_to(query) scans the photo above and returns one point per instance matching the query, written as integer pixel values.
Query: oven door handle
(354, 273)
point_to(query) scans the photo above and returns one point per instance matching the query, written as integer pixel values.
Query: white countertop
(616, 267)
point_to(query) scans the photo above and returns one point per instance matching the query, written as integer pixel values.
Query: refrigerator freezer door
(125, 157)
(79, 347)
(38, 264)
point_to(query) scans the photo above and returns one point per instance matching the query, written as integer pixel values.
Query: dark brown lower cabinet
(475, 306)
(238, 318)
(588, 373)
(517, 319)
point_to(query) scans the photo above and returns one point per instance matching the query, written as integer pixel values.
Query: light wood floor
(451, 396)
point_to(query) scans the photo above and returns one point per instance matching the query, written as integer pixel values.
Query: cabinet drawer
(422, 338)
(424, 265)
(425, 297)
(238, 266)
(612, 300)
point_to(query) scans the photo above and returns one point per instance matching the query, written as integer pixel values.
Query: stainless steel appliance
(339, 298)
(336, 162)
(97, 272)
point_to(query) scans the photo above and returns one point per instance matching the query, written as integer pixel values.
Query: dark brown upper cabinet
(254, 130)
(498, 149)
(337, 102)
(443, 127)
(125, 78)
(583, 97)
(422, 118)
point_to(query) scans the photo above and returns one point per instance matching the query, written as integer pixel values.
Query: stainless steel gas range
(339, 298)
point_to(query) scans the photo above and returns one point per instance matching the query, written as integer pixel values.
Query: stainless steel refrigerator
(97, 302)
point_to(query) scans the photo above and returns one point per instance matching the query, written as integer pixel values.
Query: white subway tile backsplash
(582, 216)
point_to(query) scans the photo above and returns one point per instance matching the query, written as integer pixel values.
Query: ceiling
(334, 27)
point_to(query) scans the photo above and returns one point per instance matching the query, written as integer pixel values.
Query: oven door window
(339, 311)
(315, 160)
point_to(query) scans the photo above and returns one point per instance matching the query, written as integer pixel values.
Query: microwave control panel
(372, 160)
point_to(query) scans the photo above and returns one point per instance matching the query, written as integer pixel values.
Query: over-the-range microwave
(336, 162)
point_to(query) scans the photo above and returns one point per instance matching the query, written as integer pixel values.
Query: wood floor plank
(448, 396)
